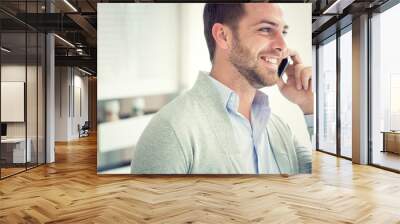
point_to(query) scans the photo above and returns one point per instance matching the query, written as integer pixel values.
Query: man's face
(258, 45)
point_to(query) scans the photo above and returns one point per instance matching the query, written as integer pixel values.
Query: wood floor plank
(70, 191)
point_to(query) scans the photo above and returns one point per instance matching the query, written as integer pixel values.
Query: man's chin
(265, 83)
(269, 79)
(258, 78)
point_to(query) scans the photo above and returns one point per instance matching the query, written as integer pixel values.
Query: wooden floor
(70, 191)
(10, 171)
(387, 159)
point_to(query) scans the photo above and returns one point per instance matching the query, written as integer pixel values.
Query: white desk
(19, 149)
(117, 140)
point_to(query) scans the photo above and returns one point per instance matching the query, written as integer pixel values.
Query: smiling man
(224, 124)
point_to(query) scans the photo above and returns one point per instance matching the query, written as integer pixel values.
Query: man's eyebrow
(285, 27)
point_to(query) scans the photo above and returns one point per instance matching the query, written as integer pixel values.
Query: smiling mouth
(269, 60)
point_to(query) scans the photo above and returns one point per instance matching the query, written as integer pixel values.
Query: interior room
(22, 102)
(55, 121)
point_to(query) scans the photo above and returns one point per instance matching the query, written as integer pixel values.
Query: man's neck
(231, 78)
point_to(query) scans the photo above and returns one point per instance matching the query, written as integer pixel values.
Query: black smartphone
(282, 66)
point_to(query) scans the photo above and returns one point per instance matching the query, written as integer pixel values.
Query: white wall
(12, 73)
(15, 72)
(33, 127)
(137, 49)
(194, 51)
(66, 101)
(61, 103)
(12, 101)
(79, 117)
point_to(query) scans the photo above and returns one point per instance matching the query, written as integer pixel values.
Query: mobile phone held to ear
(282, 66)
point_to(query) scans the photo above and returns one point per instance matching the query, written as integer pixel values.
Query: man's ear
(221, 35)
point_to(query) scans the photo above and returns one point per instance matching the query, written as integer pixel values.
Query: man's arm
(159, 151)
(304, 156)
(304, 150)
(310, 124)
(298, 89)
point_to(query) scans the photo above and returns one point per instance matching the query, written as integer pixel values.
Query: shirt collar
(231, 100)
(260, 110)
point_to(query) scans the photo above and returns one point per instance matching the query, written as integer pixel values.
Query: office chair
(84, 130)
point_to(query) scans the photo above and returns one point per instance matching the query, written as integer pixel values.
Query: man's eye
(284, 33)
(266, 29)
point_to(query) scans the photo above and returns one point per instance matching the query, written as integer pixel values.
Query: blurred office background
(150, 53)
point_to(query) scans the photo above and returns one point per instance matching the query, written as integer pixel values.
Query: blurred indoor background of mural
(155, 53)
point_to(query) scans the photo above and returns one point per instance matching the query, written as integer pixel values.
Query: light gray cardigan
(193, 135)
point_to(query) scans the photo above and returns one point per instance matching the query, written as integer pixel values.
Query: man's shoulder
(180, 110)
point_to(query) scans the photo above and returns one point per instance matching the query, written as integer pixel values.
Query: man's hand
(298, 88)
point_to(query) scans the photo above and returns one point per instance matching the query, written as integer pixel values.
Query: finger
(280, 83)
(290, 70)
(297, 75)
(305, 77)
(295, 56)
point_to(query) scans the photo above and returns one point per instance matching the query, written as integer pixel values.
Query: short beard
(251, 75)
(239, 59)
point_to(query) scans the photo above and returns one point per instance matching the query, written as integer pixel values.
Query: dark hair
(225, 13)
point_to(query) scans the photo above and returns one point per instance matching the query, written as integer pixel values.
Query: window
(385, 89)
(327, 97)
(346, 94)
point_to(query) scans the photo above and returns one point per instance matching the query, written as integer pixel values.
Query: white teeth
(270, 60)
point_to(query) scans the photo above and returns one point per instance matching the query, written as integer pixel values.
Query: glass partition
(385, 89)
(22, 77)
(327, 96)
(13, 91)
(346, 94)
(31, 100)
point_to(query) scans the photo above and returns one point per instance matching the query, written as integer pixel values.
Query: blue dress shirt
(251, 136)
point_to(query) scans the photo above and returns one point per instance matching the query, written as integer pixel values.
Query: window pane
(346, 94)
(386, 89)
(327, 97)
(14, 153)
(31, 97)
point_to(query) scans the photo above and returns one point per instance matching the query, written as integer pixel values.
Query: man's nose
(279, 42)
